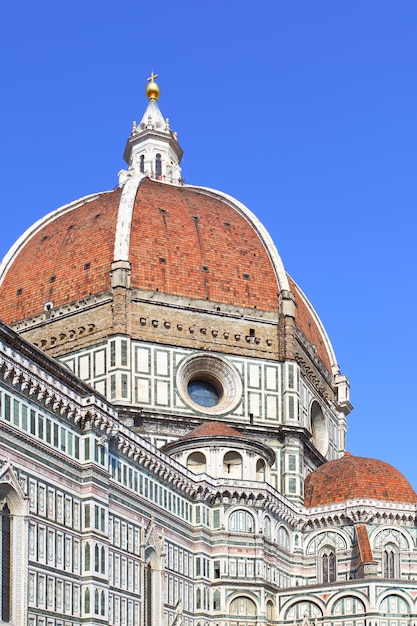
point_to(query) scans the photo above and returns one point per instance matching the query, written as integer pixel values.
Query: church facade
(173, 422)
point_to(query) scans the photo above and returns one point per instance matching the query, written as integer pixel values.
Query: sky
(304, 111)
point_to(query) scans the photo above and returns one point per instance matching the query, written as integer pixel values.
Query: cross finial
(152, 76)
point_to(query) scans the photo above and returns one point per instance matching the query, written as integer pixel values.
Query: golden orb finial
(152, 89)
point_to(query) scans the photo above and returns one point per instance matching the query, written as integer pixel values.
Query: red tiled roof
(212, 429)
(353, 477)
(364, 545)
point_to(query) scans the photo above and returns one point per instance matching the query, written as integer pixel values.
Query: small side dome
(217, 449)
(353, 478)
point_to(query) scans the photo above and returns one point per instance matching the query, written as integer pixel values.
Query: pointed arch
(14, 508)
(87, 596)
(390, 561)
(152, 575)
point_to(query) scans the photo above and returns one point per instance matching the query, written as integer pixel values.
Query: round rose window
(209, 384)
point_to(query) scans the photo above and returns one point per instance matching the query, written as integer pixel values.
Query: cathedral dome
(159, 237)
(181, 241)
(353, 478)
(190, 242)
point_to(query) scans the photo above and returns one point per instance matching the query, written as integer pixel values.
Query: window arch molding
(296, 609)
(402, 603)
(243, 605)
(359, 602)
(393, 535)
(241, 521)
(320, 539)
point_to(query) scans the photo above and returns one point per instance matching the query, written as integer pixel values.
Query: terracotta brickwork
(66, 260)
(364, 544)
(308, 325)
(353, 477)
(186, 243)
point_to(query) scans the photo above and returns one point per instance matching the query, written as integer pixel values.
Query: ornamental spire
(152, 149)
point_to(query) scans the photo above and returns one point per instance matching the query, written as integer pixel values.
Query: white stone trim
(333, 361)
(124, 217)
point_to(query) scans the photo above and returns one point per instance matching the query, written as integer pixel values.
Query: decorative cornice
(358, 512)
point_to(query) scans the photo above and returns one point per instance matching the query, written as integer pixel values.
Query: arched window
(103, 603)
(148, 595)
(232, 464)
(158, 166)
(243, 607)
(87, 557)
(269, 610)
(198, 599)
(260, 469)
(196, 462)
(389, 559)
(142, 164)
(103, 560)
(328, 567)
(395, 606)
(152, 575)
(267, 527)
(216, 600)
(96, 601)
(283, 538)
(242, 522)
(87, 601)
(96, 558)
(5, 564)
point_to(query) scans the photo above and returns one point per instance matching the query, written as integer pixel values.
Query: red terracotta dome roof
(66, 259)
(212, 429)
(182, 241)
(353, 477)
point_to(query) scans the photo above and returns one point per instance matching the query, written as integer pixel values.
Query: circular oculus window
(209, 384)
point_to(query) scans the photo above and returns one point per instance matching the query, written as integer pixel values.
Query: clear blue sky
(304, 110)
